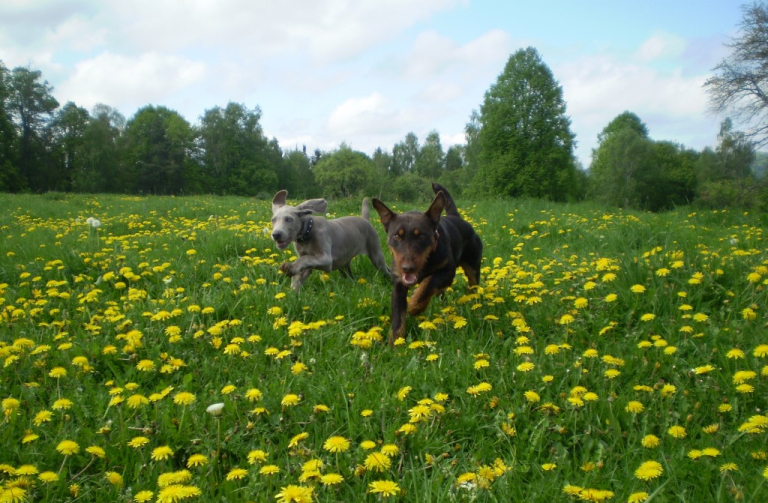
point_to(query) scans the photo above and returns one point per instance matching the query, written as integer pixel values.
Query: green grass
(556, 293)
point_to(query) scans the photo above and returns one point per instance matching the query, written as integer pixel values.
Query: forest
(519, 144)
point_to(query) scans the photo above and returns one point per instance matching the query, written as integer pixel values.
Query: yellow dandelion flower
(237, 474)
(331, 479)
(68, 447)
(269, 470)
(384, 488)
(143, 496)
(650, 441)
(677, 432)
(290, 400)
(196, 460)
(48, 477)
(298, 438)
(161, 453)
(137, 442)
(403, 392)
(184, 398)
(649, 470)
(336, 444)
(257, 456)
(295, 494)
(378, 462)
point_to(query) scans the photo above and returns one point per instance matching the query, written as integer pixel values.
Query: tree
(724, 175)
(526, 146)
(159, 148)
(605, 172)
(625, 161)
(632, 171)
(383, 162)
(10, 179)
(98, 169)
(69, 129)
(344, 173)
(625, 120)
(297, 163)
(453, 158)
(740, 84)
(430, 161)
(404, 154)
(238, 157)
(31, 106)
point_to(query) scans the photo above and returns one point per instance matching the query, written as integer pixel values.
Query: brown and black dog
(427, 249)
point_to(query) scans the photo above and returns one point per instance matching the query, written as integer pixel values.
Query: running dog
(427, 249)
(327, 245)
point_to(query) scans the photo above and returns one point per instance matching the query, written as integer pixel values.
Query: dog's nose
(408, 268)
(277, 236)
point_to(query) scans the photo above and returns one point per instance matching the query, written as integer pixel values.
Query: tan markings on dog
(419, 301)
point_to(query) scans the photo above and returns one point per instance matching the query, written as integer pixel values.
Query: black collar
(305, 235)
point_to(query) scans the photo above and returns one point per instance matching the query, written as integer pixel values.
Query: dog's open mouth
(409, 279)
(282, 244)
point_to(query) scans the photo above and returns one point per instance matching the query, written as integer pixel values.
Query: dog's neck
(307, 230)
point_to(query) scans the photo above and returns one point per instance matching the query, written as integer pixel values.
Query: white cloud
(599, 88)
(366, 115)
(433, 54)
(326, 30)
(126, 83)
(660, 46)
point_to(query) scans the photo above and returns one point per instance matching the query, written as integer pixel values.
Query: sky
(368, 72)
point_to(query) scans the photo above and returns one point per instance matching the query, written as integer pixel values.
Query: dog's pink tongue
(409, 278)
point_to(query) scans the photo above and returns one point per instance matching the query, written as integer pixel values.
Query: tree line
(518, 144)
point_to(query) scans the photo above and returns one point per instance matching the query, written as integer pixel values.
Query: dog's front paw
(287, 268)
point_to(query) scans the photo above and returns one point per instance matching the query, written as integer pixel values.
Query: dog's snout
(277, 235)
(409, 268)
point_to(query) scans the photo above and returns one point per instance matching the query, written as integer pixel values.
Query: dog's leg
(378, 260)
(399, 306)
(471, 260)
(346, 271)
(428, 288)
(298, 280)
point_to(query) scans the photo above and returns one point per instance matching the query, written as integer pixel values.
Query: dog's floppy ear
(279, 200)
(385, 214)
(313, 205)
(436, 208)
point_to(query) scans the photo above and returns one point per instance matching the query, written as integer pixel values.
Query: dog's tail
(365, 210)
(450, 206)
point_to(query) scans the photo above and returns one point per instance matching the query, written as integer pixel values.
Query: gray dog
(322, 244)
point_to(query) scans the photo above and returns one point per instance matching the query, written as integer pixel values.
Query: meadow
(157, 354)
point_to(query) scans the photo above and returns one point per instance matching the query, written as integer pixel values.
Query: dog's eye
(289, 220)
(397, 237)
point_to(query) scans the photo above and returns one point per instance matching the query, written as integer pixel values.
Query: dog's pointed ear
(279, 200)
(436, 208)
(314, 205)
(385, 214)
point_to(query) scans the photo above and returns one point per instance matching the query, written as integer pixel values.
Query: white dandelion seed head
(215, 409)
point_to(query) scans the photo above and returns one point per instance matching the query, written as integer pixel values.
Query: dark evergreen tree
(68, 129)
(10, 179)
(159, 149)
(31, 105)
(526, 145)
